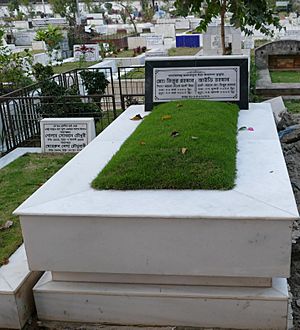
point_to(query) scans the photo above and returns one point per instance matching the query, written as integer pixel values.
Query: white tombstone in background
(24, 37)
(166, 30)
(90, 52)
(38, 45)
(134, 42)
(21, 24)
(212, 40)
(182, 24)
(248, 42)
(154, 41)
(158, 52)
(66, 134)
(95, 22)
(94, 16)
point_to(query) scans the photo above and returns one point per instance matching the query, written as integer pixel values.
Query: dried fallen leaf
(7, 225)
(174, 133)
(194, 137)
(142, 143)
(137, 117)
(179, 105)
(166, 117)
(184, 150)
(5, 261)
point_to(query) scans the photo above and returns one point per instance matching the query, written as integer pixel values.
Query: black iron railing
(22, 109)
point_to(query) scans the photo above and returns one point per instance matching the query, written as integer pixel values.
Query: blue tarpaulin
(188, 40)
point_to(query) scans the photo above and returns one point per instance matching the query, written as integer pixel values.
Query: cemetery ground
(18, 181)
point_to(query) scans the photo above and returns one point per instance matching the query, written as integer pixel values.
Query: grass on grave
(293, 106)
(285, 76)
(18, 181)
(64, 67)
(188, 144)
(183, 51)
(137, 73)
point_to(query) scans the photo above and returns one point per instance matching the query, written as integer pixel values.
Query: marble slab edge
(16, 296)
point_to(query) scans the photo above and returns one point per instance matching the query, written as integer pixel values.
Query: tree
(245, 14)
(14, 69)
(65, 8)
(128, 11)
(52, 36)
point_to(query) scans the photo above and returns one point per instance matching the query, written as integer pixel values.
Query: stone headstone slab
(90, 52)
(220, 78)
(154, 41)
(66, 134)
(39, 45)
(278, 107)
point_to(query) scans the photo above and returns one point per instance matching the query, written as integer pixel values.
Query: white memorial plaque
(88, 52)
(214, 83)
(60, 135)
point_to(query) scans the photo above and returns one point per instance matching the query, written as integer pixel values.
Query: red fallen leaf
(166, 117)
(137, 117)
(251, 129)
(184, 150)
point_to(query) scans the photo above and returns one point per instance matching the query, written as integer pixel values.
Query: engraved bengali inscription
(213, 83)
(65, 137)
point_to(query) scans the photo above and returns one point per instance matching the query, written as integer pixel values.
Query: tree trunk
(130, 18)
(223, 11)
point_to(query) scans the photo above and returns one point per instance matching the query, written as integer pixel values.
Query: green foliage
(253, 78)
(18, 181)
(65, 8)
(58, 100)
(108, 6)
(41, 72)
(15, 68)
(153, 156)
(245, 13)
(52, 36)
(94, 82)
(2, 32)
(293, 106)
(14, 5)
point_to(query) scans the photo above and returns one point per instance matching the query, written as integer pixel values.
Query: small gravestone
(212, 78)
(154, 41)
(212, 40)
(88, 52)
(66, 134)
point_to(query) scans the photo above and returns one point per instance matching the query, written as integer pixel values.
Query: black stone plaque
(217, 78)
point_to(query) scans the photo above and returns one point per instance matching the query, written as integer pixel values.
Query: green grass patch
(201, 155)
(18, 181)
(123, 53)
(285, 76)
(138, 73)
(293, 106)
(183, 51)
(72, 65)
